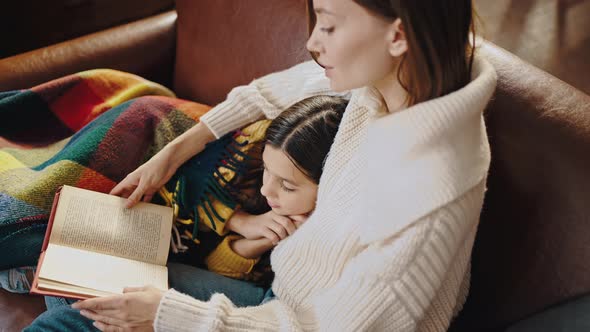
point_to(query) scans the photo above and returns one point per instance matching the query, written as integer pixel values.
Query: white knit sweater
(388, 246)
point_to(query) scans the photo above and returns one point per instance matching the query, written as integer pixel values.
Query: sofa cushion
(571, 316)
(18, 310)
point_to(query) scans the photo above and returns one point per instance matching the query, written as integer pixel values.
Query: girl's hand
(135, 310)
(255, 248)
(299, 220)
(269, 225)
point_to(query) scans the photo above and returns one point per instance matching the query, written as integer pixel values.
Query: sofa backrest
(225, 43)
(531, 250)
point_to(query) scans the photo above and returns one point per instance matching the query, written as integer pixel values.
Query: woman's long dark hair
(304, 132)
(439, 56)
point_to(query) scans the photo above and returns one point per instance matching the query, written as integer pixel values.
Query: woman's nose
(312, 43)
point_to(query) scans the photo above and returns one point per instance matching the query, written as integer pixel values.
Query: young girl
(389, 243)
(295, 147)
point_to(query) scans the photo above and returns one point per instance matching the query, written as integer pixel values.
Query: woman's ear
(398, 44)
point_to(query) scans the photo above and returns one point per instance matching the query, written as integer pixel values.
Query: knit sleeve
(223, 260)
(266, 97)
(393, 285)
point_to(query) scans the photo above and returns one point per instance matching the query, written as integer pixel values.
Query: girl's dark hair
(439, 56)
(306, 131)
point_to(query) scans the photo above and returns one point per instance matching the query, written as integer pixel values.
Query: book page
(99, 272)
(99, 222)
(68, 289)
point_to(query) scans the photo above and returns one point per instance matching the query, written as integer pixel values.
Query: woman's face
(287, 190)
(352, 44)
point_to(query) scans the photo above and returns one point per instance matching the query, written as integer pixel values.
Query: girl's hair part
(305, 132)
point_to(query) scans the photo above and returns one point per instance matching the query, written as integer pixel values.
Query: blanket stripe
(63, 106)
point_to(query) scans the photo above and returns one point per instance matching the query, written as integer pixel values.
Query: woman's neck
(394, 95)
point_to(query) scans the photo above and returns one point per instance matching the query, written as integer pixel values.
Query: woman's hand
(269, 225)
(135, 310)
(148, 178)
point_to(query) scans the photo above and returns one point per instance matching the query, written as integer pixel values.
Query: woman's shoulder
(288, 86)
(425, 157)
(483, 69)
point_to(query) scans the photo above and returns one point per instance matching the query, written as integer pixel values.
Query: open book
(94, 246)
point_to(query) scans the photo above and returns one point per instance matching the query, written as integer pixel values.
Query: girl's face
(353, 44)
(288, 191)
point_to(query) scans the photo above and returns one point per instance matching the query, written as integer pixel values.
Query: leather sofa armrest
(144, 47)
(533, 228)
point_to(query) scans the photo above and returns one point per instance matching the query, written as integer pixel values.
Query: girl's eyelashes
(286, 188)
(283, 187)
(327, 30)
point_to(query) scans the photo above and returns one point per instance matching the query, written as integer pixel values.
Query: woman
(389, 243)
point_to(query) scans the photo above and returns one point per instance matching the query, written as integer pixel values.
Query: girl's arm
(235, 256)
(252, 249)
(266, 96)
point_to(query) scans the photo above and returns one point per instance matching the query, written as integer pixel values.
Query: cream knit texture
(388, 247)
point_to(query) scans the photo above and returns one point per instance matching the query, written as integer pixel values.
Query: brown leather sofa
(66, 19)
(531, 251)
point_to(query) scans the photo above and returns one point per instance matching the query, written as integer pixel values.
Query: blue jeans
(198, 283)
(16, 280)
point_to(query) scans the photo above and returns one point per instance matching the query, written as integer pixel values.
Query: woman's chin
(334, 86)
(340, 87)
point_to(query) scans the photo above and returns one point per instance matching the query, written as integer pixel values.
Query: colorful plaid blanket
(87, 130)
